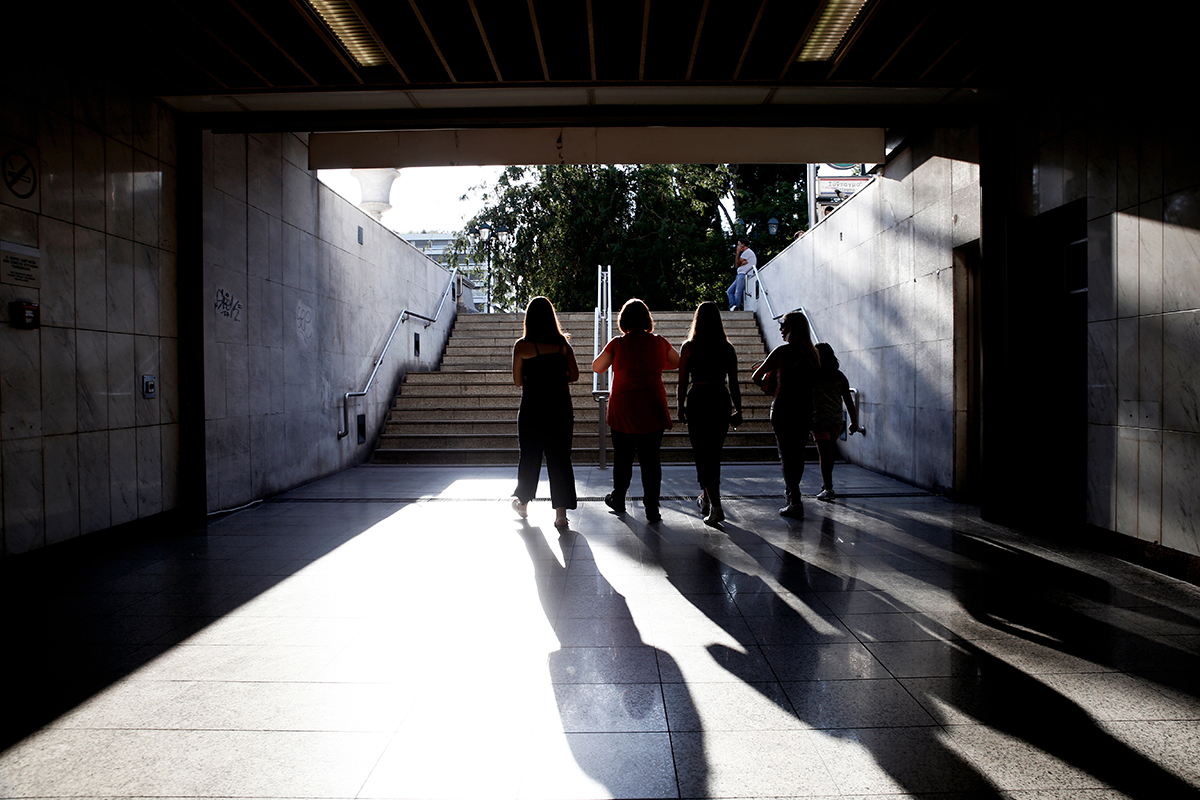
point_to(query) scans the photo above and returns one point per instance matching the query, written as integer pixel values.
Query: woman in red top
(637, 403)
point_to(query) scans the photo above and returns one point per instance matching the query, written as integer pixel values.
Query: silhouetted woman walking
(637, 405)
(543, 365)
(707, 407)
(796, 361)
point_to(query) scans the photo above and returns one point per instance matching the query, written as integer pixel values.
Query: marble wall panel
(1127, 249)
(168, 205)
(1075, 171)
(1181, 501)
(1101, 162)
(299, 199)
(58, 381)
(933, 459)
(20, 383)
(1102, 268)
(57, 294)
(1100, 508)
(275, 253)
(145, 126)
(88, 94)
(167, 148)
(1126, 490)
(146, 355)
(237, 380)
(1150, 253)
(1150, 371)
(146, 295)
(119, 284)
(235, 485)
(234, 222)
(19, 226)
(1128, 371)
(1150, 162)
(213, 211)
(214, 381)
(1181, 250)
(290, 254)
(258, 244)
(91, 380)
(57, 179)
(1128, 163)
(122, 366)
(1149, 485)
(308, 263)
(21, 472)
(168, 381)
(122, 464)
(170, 466)
(1102, 372)
(1051, 181)
(89, 177)
(964, 217)
(91, 279)
(118, 112)
(61, 468)
(229, 164)
(1180, 377)
(168, 294)
(149, 471)
(118, 207)
(95, 508)
(147, 193)
(265, 187)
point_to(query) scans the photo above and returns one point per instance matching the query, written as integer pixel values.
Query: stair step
(466, 411)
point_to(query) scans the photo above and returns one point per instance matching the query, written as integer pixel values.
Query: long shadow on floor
(973, 683)
(587, 679)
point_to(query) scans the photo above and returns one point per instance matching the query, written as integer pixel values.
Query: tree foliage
(660, 226)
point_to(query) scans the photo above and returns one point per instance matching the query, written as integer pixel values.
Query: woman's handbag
(769, 382)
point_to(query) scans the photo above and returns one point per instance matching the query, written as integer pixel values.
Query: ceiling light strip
(831, 29)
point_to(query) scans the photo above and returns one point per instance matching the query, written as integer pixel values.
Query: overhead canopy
(609, 145)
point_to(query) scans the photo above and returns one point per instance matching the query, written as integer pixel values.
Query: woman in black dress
(792, 408)
(543, 365)
(707, 407)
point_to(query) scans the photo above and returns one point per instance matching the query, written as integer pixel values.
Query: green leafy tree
(658, 226)
(766, 191)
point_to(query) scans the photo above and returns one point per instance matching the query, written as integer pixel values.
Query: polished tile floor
(396, 632)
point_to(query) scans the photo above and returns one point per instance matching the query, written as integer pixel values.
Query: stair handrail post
(601, 334)
(404, 314)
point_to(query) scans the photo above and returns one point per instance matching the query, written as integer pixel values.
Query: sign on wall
(19, 175)
(20, 265)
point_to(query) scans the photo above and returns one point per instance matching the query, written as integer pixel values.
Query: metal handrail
(766, 295)
(405, 314)
(602, 321)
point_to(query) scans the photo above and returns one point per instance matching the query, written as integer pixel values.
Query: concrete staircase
(466, 413)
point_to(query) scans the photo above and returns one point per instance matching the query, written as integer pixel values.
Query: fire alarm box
(25, 316)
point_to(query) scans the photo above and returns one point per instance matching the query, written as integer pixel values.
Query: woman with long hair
(795, 363)
(543, 365)
(831, 389)
(637, 404)
(707, 407)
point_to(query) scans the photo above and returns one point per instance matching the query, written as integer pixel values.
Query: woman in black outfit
(708, 408)
(792, 409)
(543, 365)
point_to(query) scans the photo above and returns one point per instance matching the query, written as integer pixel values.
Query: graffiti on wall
(228, 306)
(304, 321)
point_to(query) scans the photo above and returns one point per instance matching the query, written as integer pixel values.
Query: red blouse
(637, 400)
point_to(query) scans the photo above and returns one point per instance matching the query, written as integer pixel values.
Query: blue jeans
(737, 291)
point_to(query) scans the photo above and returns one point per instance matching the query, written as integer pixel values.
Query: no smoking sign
(19, 173)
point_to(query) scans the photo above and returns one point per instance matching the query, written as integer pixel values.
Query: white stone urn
(376, 187)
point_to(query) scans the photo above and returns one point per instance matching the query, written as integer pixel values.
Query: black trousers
(791, 428)
(648, 449)
(708, 411)
(549, 435)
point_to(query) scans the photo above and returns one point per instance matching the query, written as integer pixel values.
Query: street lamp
(484, 236)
